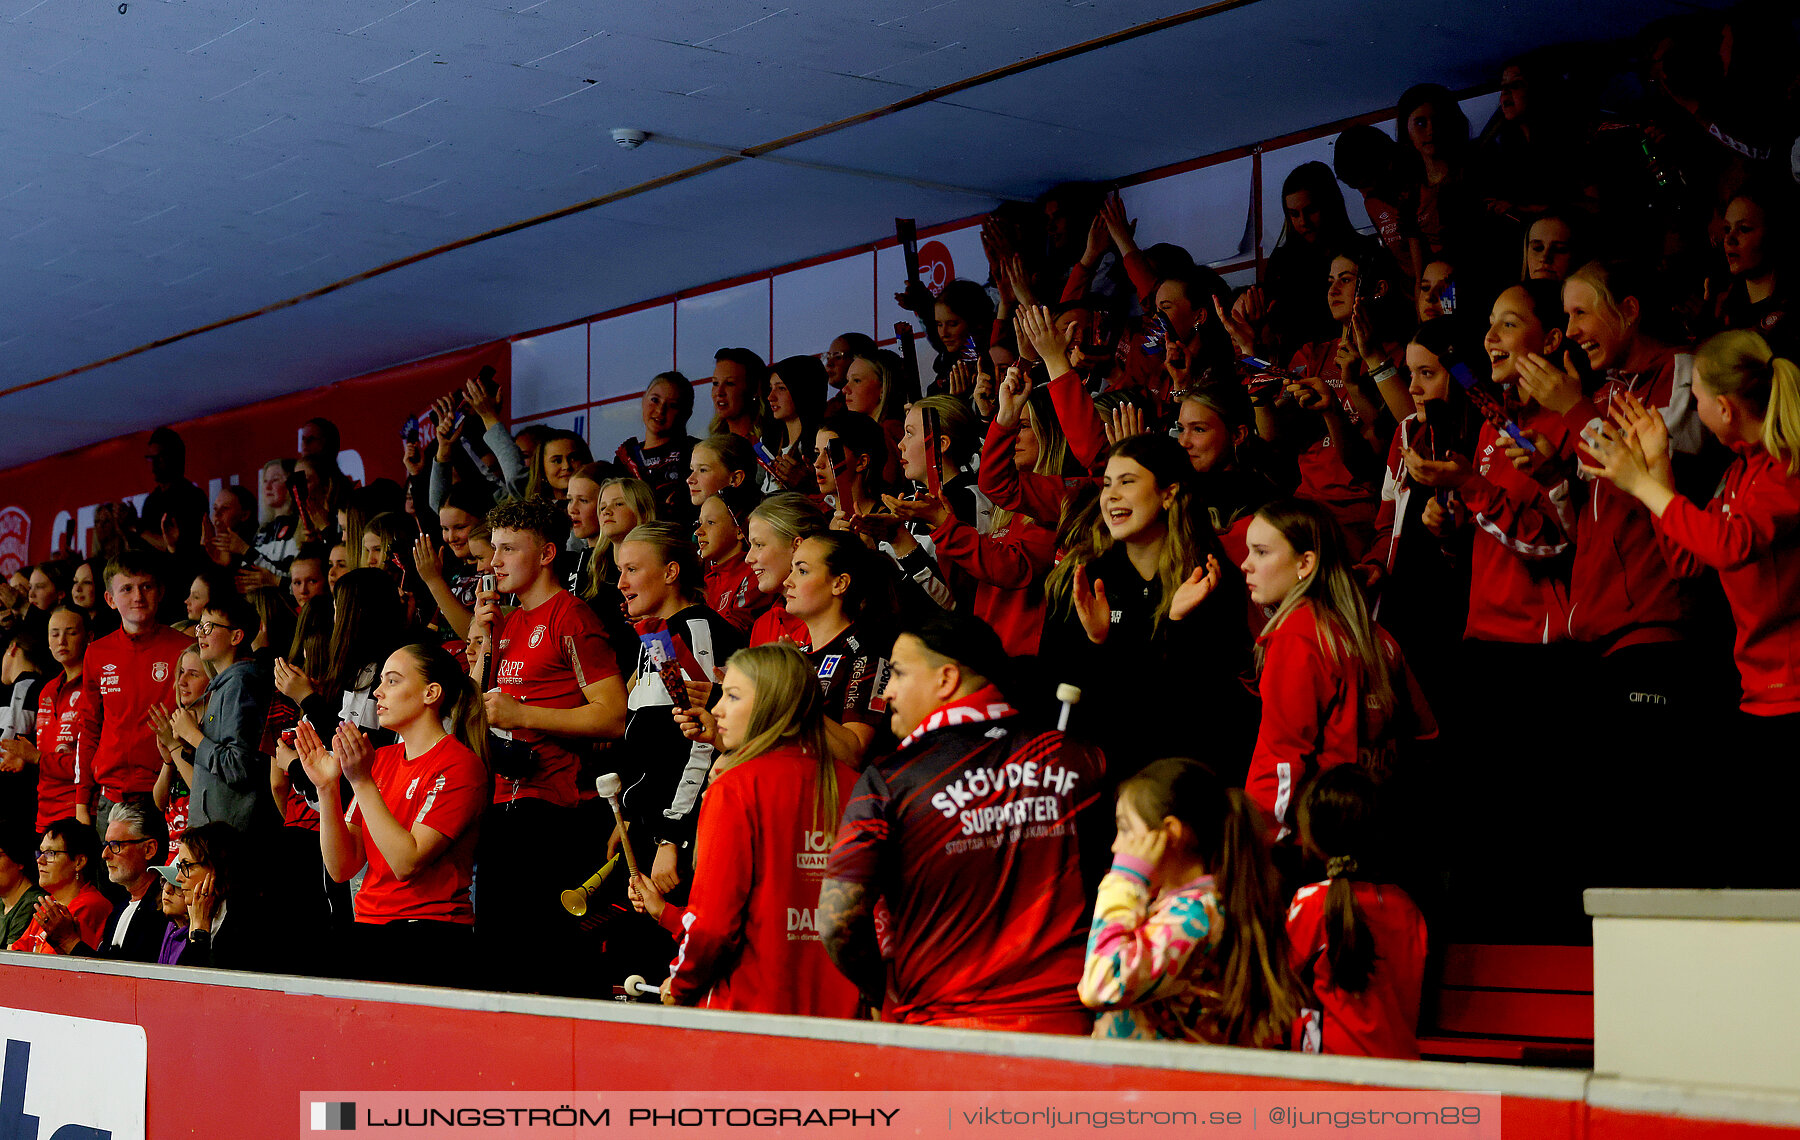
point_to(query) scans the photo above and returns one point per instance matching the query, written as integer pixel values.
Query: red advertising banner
(39, 500)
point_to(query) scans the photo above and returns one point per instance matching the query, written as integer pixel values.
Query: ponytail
(1259, 994)
(1740, 363)
(462, 710)
(1337, 822)
(1781, 428)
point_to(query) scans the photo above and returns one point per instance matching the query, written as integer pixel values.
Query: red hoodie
(1382, 1020)
(1620, 589)
(1325, 475)
(1008, 567)
(1518, 580)
(750, 932)
(1315, 714)
(124, 676)
(1750, 534)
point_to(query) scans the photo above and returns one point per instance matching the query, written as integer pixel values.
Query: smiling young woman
(1147, 618)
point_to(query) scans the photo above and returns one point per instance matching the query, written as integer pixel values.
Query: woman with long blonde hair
(766, 826)
(1335, 688)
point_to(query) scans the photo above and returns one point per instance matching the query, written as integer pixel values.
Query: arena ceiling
(172, 166)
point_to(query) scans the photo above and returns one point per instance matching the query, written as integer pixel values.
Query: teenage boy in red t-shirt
(555, 686)
(125, 673)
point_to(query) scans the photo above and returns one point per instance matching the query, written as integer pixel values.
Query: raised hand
(1091, 606)
(353, 753)
(291, 682)
(486, 405)
(318, 764)
(429, 559)
(1099, 240)
(1125, 421)
(1015, 391)
(1052, 344)
(1122, 232)
(1237, 325)
(961, 378)
(1198, 587)
(1554, 389)
(448, 430)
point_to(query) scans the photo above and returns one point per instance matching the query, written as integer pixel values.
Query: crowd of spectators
(1389, 600)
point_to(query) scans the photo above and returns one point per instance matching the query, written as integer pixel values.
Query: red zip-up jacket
(124, 676)
(749, 935)
(1008, 567)
(1621, 592)
(1518, 579)
(1315, 714)
(1750, 534)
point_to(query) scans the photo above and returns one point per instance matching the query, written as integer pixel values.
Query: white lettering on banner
(72, 1078)
(983, 782)
(1016, 813)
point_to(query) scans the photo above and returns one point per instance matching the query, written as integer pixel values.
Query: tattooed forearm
(847, 927)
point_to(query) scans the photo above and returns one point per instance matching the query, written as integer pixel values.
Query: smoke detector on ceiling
(627, 138)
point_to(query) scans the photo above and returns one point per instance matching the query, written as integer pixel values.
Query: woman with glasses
(226, 927)
(68, 859)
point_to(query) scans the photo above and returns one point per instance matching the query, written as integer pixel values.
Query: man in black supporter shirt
(968, 836)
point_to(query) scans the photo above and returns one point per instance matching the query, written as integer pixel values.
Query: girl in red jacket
(1750, 532)
(731, 587)
(1009, 562)
(749, 937)
(1335, 688)
(1358, 943)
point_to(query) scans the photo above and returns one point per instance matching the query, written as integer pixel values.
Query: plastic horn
(636, 985)
(1070, 696)
(609, 786)
(575, 901)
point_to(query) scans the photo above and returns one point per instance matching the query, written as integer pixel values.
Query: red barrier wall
(226, 1061)
(368, 411)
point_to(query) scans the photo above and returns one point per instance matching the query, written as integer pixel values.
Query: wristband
(1385, 373)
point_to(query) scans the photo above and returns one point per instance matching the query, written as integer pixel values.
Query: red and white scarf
(983, 704)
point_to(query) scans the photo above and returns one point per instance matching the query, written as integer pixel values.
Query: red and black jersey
(853, 671)
(968, 833)
(60, 786)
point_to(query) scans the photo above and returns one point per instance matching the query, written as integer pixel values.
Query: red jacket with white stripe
(1621, 591)
(749, 935)
(1315, 713)
(1518, 579)
(1750, 534)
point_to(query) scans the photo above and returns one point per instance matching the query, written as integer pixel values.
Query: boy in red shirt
(556, 686)
(125, 673)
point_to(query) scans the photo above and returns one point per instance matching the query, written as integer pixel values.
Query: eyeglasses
(45, 856)
(839, 355)
(118, 845)
(205, 627)
(186, 867)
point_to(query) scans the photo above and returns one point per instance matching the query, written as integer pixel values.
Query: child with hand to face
(1187, 943)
